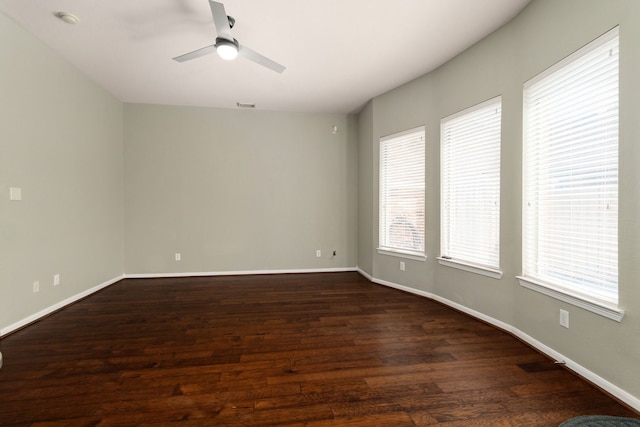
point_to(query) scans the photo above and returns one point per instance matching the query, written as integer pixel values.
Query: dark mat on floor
(600, 421)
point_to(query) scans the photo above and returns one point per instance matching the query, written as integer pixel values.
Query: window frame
(454, 134)
(533, 276)
(384, 248)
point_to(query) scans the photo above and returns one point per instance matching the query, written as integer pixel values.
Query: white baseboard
(580, 370)
(42, 313)
(236, 273)
(365, 274)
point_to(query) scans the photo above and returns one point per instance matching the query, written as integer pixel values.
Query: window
(402, 162)
(570, 223)
(470, 183)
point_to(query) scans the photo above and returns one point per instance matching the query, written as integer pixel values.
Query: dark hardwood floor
(327, 349)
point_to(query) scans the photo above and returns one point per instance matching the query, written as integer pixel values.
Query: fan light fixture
(227, 49)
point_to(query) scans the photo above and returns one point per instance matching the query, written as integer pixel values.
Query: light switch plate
(15, 193)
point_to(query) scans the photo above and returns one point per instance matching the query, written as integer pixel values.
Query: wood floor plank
(326, 349)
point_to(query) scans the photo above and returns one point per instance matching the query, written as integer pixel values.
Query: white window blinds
(402, 183)
(470, 183)
(570, 207)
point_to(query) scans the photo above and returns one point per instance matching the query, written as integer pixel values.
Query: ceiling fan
(226, 46)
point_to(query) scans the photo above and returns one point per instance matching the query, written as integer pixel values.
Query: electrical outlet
(36, 286)
(402, 266)
(56, 279)
(564, 318)
(318, 253)
(178, 256)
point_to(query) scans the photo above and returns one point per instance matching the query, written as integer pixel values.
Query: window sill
(471, 268)
(399, 254)
(602, 308)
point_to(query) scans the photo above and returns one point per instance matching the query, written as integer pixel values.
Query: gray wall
(365, 190)
(546, 32)
(61, 142)
(238, 190)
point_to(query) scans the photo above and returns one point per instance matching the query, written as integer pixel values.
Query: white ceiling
(338, 53)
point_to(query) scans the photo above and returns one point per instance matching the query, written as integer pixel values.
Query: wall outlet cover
(564, 318)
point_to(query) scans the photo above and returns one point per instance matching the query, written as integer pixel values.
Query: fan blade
(196, 53)
(260, 59)
(221, 20)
